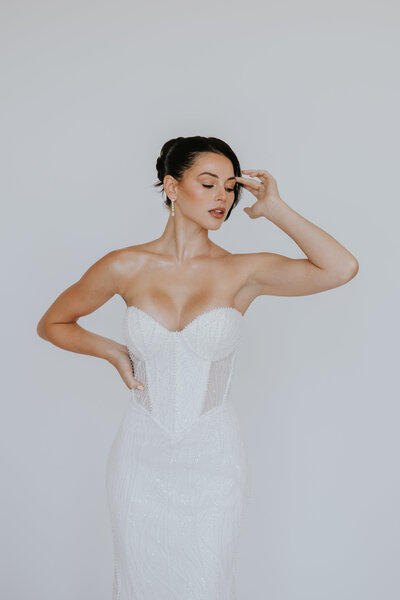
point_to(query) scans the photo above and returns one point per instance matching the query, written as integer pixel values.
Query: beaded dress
(177, 472)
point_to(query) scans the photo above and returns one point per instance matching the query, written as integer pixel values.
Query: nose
(222, 194)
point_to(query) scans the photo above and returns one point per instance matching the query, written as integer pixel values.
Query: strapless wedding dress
(177, 473)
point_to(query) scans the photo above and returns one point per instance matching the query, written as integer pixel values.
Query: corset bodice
(186, 373)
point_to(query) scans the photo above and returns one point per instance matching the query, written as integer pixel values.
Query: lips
(217, 213)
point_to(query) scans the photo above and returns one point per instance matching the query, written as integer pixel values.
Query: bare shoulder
(110, 267)
(100, 281)
(252, 258)
(127, 260)
(246, 263)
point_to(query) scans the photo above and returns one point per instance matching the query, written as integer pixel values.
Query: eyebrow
(214, 175)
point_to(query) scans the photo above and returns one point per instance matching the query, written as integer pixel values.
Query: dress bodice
(185, 373)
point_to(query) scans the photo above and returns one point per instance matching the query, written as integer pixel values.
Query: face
(208, 185)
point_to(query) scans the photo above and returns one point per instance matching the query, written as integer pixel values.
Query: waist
(177, 424)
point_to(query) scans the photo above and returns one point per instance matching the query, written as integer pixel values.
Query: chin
(214, 226)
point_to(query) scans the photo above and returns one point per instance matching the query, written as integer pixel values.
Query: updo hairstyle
(179, 154)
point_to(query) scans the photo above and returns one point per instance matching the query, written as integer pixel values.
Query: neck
(184, 238)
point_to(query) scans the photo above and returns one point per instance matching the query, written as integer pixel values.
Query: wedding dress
(177, 473)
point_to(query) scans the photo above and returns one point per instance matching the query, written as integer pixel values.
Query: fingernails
(140, 387)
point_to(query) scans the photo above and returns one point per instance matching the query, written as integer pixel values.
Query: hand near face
(266, 191)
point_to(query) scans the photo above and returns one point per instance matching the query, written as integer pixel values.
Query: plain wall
(308, 91)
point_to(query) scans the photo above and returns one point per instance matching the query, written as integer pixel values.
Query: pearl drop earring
(172, 208)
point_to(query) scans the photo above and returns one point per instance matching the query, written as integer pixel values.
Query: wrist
(273, 208)
(114, 352)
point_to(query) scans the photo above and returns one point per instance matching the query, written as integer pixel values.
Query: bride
(176, 472)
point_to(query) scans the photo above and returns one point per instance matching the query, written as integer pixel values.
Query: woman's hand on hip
(122, 362)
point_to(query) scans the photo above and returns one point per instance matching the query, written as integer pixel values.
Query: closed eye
(210, 186)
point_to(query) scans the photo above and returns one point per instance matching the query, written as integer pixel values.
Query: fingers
(249, 211)
(261, 173)
(137, 385)
(250, 183)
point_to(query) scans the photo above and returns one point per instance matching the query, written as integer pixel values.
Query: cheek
(197, 197)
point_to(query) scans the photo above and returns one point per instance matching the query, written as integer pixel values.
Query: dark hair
(179, 154)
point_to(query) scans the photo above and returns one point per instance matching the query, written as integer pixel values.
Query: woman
(177, 469)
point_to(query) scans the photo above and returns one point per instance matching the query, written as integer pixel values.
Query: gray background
(308, 91)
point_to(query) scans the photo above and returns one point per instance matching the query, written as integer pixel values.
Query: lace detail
(177, 472)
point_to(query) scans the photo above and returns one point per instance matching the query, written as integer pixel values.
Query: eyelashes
(210, 186)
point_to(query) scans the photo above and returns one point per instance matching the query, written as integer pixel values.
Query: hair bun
(160, 167)
(160, 164)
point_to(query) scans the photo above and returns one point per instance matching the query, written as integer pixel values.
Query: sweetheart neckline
(210, 310)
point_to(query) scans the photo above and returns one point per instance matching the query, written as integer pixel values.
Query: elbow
(41, 330)
(351, 271)
(354, 268)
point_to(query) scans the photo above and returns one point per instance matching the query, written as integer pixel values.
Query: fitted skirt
(176, 506)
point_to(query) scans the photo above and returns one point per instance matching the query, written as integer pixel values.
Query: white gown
(177, 473)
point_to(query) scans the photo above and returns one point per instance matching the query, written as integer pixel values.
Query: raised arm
(328, 263)
(59, 324)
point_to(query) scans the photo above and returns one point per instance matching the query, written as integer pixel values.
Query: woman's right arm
(59, 324)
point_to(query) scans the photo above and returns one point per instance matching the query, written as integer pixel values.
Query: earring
(172, 208)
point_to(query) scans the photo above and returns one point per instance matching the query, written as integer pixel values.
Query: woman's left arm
(328, 263)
